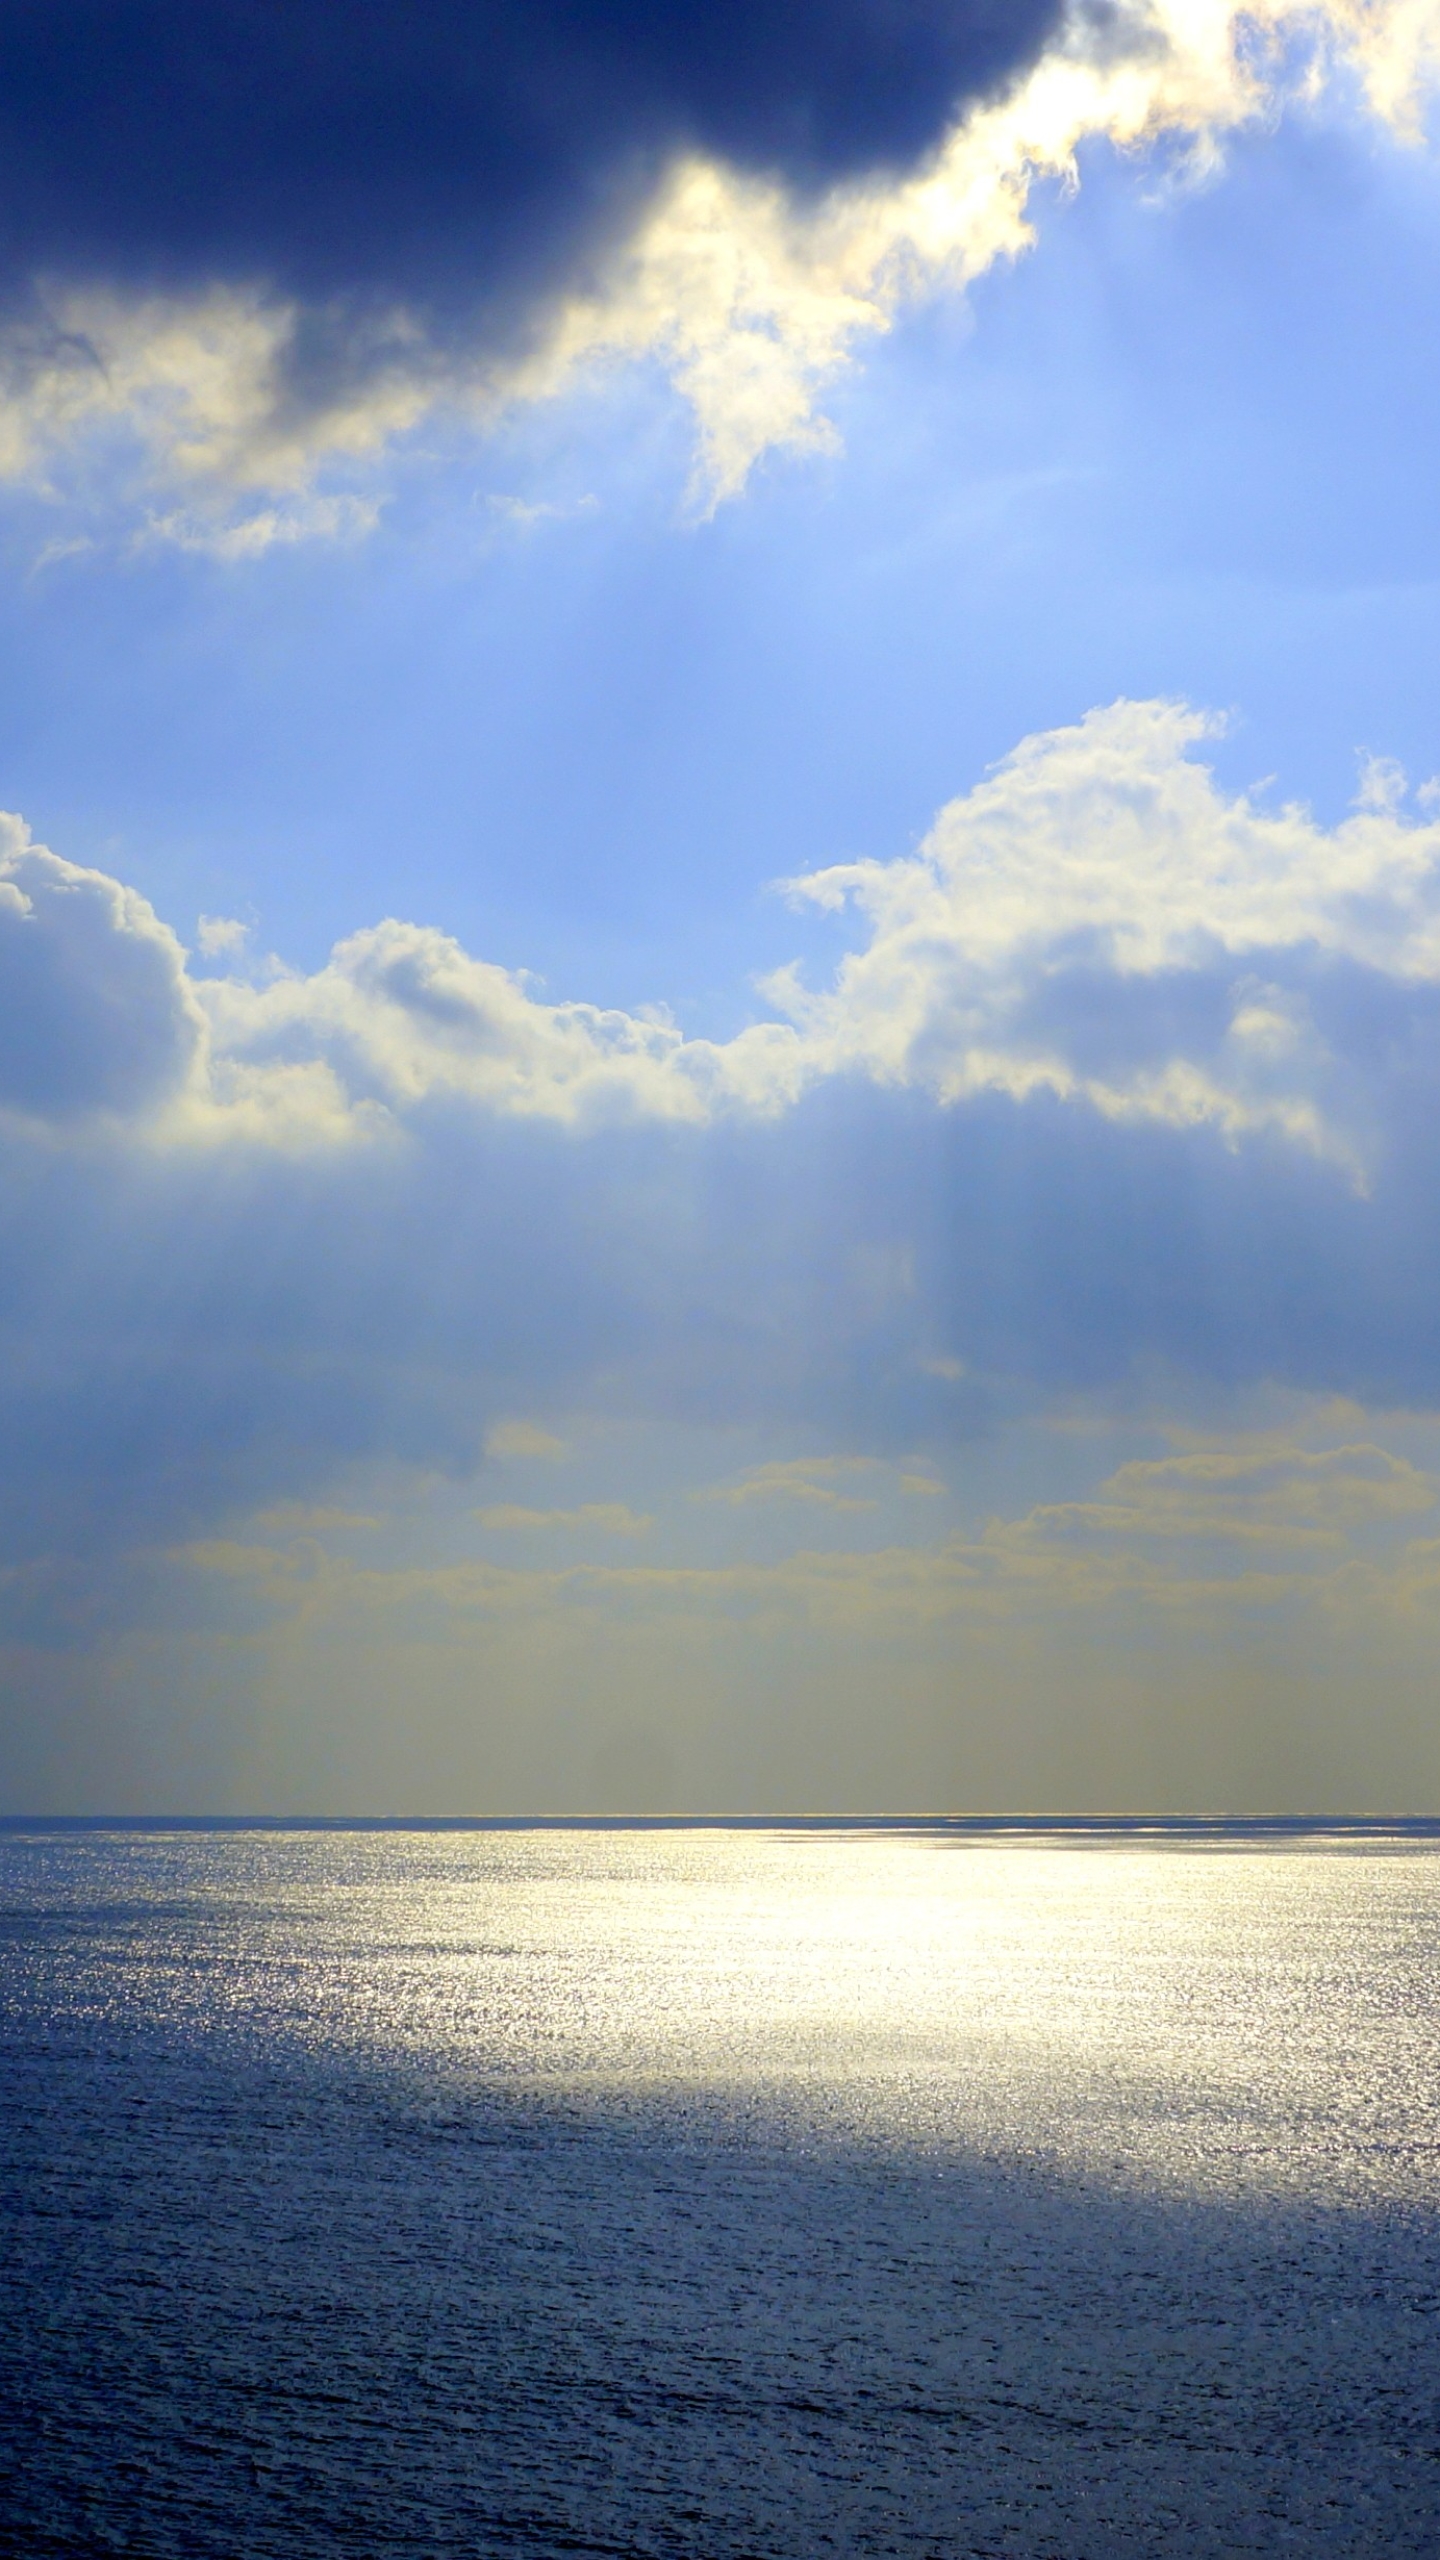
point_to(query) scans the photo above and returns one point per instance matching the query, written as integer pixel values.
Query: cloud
(1067, 1559)
(522, 1440)
(401, 1014)
(832, 1483)
(523, 515)
(612, 1519)
(257, 281)
(817, 1480)
(265, 248)
(221, 937)
(311, 1519)
(1109, 834)
(1096, 921)
(247, 537)
(432, 149)
(97, 1015)
(1011, 1666)
(1282, 1498)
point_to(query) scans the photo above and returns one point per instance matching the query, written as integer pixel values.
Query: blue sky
(1179, 448)
(993, 1363)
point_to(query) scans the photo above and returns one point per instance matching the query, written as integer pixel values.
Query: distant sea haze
(730, 2192)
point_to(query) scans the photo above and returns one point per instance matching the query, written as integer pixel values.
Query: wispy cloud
(828, 1482)
(221, 937)
(612, 1519)
(310, 1519)
(1281, 1498)
(521, 1439)
(1292, 1531)
(525, 514)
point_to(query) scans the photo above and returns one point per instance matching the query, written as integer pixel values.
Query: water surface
(719, 2192)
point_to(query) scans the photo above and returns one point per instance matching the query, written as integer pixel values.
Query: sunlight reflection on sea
(1200, 2015)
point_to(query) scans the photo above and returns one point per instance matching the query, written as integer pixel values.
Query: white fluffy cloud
(751, 302)
(401, 1015)
(1097, 921)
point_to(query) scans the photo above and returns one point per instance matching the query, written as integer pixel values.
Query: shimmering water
(719, 2193)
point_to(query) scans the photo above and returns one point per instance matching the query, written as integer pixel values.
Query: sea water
(925, 2190)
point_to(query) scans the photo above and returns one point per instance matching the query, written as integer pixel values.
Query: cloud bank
(1124, 1077)
(1096, 921)
(242, 271)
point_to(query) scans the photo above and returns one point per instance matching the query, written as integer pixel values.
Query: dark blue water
(718, 2194)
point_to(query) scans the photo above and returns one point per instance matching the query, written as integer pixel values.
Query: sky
(720, 936)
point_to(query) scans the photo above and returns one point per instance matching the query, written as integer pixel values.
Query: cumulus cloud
(1097, 921)
(97, 1016)
(401, 1014)
(750, 239)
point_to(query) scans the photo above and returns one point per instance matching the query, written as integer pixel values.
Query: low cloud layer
(243, 293)
(1200, 1629)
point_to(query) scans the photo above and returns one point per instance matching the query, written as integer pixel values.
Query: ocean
(739, 2193)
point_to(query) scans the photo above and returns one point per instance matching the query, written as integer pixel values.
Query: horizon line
(1291, 1823)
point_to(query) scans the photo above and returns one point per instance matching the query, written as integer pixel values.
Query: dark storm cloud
(445, 150)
